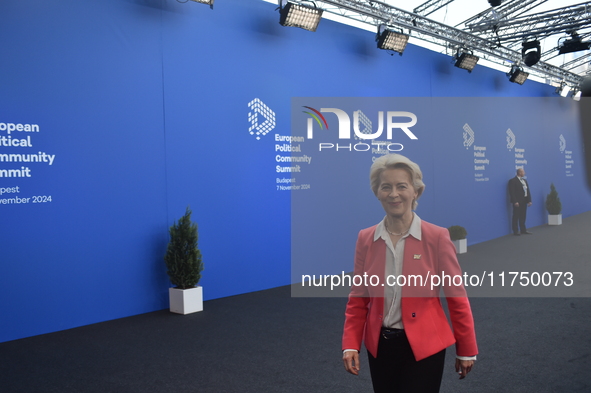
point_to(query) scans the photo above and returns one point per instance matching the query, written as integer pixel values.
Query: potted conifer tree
(458, 236)
(554, 207)
(184, 266)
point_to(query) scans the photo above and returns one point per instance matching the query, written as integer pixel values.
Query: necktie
(524, 186)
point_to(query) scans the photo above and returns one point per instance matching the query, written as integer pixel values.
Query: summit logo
(261, 118)
(468, 135)
(510, 139)
(561, 143)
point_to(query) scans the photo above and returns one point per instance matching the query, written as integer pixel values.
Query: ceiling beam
(443, 36)
(538, 25)
(512, 8)
(430, 7)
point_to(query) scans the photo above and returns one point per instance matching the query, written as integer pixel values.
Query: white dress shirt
(394, 259)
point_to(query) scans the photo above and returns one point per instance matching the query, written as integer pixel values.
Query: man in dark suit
(520, 199)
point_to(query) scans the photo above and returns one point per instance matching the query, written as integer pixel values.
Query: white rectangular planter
(186, 301)
(461, 245)
(554, 219)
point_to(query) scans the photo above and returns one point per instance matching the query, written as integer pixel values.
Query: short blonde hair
(397, 161)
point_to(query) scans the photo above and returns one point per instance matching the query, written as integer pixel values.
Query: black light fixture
(389, 39)
(209, 2)
(466, 60)
(299, 15)
(531, 52)
(573, 45)
(517, 75)
(494, 3)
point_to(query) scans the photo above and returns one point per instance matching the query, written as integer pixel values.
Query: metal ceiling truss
(579, 61)
(512, 8)
(448, 38)
(430, 7)
(561, 20)
(553, 52)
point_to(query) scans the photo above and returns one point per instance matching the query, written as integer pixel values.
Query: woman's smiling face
(396, 192)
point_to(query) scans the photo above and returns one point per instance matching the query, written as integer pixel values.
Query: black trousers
(395, 369)
(519, 213)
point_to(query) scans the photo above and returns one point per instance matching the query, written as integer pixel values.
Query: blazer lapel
(416, 263)
(413, 257)
(376, 266)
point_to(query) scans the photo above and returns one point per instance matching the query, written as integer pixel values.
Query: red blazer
(425, 323)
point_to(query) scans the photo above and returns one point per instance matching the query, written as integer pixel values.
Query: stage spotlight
(577, 95)
(391, 40)
(562, 90)
(210, 2)
(517, 75)
(465, 60)
(573, 45)
(299, 15)
(494, 3)
(531, 52)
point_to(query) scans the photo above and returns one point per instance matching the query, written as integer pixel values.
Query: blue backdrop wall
(117, 114)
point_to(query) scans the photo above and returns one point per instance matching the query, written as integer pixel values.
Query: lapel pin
(417, 256)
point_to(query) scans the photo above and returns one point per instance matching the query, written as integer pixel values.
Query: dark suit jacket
(516, 192)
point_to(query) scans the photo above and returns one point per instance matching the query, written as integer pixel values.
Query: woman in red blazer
(401, 264)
